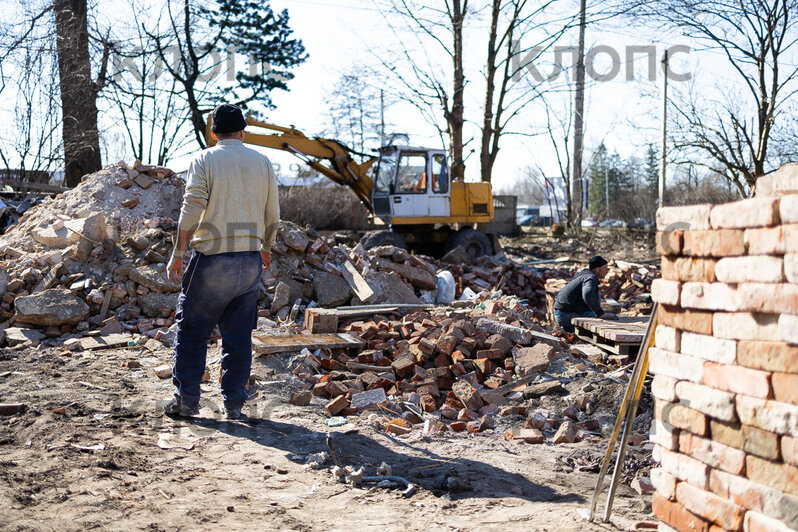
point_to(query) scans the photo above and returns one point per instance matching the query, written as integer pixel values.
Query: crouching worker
(580, 297)
(228, 221)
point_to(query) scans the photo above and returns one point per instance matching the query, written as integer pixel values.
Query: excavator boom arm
(326, 156)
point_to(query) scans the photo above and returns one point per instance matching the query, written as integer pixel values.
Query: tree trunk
(575, 206)
(78, 93)
(486, 163)
(455, 119)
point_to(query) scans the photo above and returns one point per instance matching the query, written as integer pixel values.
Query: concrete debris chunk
(51, 307)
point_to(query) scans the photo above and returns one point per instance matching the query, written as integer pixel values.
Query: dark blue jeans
(564, 318)
(216, 289)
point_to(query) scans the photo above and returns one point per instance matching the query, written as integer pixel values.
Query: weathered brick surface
(789, 449)
(719, 243)
(788, 328)
(746, 326)
(709, 347)
(791, 267)
(753, 212)
(785, 387)
(711, 296)
(757, 269)
(747, 438)
(770, 356)
(695, 216)
(788, 209)
(664, 482)
(680, 416)
(772, 416)
(779, 182)
(666, 292)
(669, 242)
(674, 365)
(708, 505)
(756, 522)
(688, 269)
(664, 435)
(737, 379)
(685, 468)
(664, 388)
(687, 320)
(707, 400)
(765, 240)
(712, 453)
(675, 515)
(781, 477)
(757, 497)
(790, 238)
(768, 298)
(668, 338)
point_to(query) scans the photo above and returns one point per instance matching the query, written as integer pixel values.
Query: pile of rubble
(473, 366)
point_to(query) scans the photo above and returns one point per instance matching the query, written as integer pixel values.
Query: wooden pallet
(264, 343)
(621, 337)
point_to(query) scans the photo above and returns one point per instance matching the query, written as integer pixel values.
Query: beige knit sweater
(231, 200)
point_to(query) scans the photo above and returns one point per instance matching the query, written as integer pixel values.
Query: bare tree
(81, 137)
(510, 22)
(354, 112)
(421, 81)
(756, 38)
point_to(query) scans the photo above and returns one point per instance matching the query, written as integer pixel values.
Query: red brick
(750, 269)
(765, 241)
(708, 505)
(781, 182)
(719, 243)
(317, 321)
(771, 416)
(769, 356)
(711, 296)
(666, 292)
(752, 212)
(788, 328)
(788, 209)
(750, 439)
(712, 453)
(338, 404)
(781, 477)
(757, 497)
(676, 515)
(708, 347)
(785, 387)
(737, 379)
(427, 346)
(664, 435)
(686, 269)
(746, 326)
(681, 417)
(668, 338)
(692, 216)
(403, 367)
(756, 522)
(710, 401)
(686, 320)
(670, 242)
(664, 388)
(664, 482)
(446, 344)
(789, 449)
(779, 298)
(675, 365)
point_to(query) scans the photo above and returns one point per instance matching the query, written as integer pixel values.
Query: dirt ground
(93, 451)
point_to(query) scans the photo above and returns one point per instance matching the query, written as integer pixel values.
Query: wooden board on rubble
(265, 344)
(622, 336)
(356, 282)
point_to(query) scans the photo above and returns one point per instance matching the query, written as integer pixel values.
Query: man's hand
(265, 259)
(175, 266)
(609, 316)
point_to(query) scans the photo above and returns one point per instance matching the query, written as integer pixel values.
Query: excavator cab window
(412, 175)
(386, 170)
(440, 174)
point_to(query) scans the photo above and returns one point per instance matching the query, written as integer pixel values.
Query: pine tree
(598, 172)
(651, 170)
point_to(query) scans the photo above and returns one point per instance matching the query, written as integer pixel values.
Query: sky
(341, 35)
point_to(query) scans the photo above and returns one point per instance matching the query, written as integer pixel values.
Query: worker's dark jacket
(580, 295)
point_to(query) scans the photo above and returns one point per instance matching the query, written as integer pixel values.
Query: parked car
(642, 223)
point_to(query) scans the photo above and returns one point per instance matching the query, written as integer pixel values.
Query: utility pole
(664, 126)
(382, 117)
(579, 108)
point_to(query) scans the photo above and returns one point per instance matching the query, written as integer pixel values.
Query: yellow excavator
(409, 189)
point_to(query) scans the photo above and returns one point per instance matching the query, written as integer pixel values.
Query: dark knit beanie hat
(228, 119)
(596, 262)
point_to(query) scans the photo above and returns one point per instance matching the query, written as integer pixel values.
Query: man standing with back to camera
(228, 221)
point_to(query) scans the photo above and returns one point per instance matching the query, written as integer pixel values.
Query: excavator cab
(411, 182)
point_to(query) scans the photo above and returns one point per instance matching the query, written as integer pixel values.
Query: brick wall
(725, 363)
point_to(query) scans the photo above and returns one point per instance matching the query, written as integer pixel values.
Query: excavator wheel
(375, 239)
(475, 242)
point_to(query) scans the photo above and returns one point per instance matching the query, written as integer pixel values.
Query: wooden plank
(271, 343)
(25, 185)
(359, 285)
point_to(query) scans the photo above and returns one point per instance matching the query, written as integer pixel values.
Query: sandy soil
(93, 451)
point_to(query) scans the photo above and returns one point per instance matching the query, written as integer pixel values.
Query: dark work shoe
(176, 407)
(232, 412)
